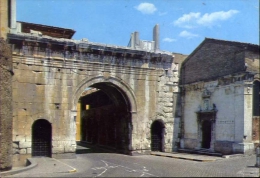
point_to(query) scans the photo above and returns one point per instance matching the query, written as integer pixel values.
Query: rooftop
(56, 32)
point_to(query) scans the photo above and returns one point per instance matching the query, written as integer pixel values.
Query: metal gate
(41, 138)
(156, 143)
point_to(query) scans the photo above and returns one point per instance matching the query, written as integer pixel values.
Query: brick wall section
(213, 59)
(5, 107)
(252, 60)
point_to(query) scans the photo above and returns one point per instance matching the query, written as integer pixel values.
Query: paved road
(118, 165)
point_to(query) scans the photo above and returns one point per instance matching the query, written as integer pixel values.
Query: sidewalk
(42, 165)
(187, 156)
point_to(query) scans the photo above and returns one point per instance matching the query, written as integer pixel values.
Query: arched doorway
(157, 136)
(41, 138)
(105, 117)
(206, 134)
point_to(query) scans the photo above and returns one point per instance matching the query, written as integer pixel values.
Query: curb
(236, 155)
(191, 159)
(69, 171)
(73, 170)
(31, 163)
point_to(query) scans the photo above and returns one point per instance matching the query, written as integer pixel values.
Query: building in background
(220, 97)
(154, 45)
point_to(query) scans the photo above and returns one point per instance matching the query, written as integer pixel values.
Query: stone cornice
(86, 45)
(27, 45)
(244, 78)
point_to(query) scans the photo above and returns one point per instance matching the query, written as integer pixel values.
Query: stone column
(6, 73)
(13, 14)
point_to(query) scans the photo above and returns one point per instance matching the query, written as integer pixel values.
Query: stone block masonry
(5, 106)
(54, 84)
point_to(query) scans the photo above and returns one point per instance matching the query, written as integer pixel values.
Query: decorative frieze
(90, 53)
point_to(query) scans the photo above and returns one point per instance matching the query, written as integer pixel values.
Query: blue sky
(184, 24)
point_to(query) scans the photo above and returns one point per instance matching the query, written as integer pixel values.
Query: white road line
(103, 168)
(126, 169)
(73, 169)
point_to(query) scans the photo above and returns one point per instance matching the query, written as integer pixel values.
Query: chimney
(136, 39)
(156, 35)
(13, 14)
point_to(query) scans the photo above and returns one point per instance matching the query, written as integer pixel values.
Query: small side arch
(41, 138)
(157, 135)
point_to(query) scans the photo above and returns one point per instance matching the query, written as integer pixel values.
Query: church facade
(220, 97)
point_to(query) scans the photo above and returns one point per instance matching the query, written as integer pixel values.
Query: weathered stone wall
(54, 82)
(213, 60)
(178, 60)
(252, 62)
(5, 106)
(167, 109)
(4, 19)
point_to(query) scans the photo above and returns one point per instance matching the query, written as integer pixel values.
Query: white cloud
(188, 35)
(169, 40)
(209, 19)
(187, 20)
(146, 8)
(193, 19)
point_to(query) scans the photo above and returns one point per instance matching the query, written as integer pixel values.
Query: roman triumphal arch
(94, 93)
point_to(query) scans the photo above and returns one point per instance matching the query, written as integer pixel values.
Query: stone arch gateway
(128, 92)
(113, 120)
(55, 72)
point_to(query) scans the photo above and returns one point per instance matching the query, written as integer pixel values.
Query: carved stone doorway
(206, 134)
(206, 129)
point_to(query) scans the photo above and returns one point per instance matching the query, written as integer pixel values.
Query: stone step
(205, 150)
(201, 151)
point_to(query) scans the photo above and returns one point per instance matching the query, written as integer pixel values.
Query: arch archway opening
(157, 136)
(105, 118)
(41, 138)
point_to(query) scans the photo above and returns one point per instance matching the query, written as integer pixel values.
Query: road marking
(107, 166)
(73, 169)
(102, 168)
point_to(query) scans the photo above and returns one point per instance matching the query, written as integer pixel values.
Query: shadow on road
(86, 148)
